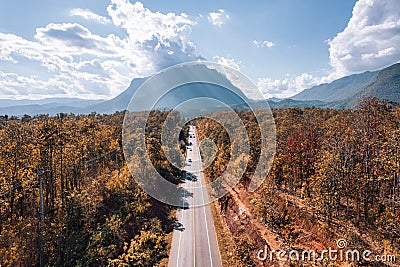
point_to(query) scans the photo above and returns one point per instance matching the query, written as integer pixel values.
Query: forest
(67, 197)
(335, 174)
(92, 212)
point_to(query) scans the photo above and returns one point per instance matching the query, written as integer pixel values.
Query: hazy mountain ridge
(386, 86)
(51, 106)
(337, 90)
(348, 91)
(72, 102)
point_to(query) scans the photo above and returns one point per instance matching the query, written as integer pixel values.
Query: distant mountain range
(343, 93)
(50, 106)
(346, 92)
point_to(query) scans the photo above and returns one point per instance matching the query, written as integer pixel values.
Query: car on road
(189, 160)
(185, 206)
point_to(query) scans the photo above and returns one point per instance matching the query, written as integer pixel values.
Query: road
(194, 242)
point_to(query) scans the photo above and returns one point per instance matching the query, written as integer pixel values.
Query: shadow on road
(178, 226)
(188, 176)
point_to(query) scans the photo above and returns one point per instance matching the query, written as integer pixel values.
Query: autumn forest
(67, 197)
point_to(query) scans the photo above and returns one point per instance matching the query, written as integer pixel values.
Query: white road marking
(204, 207)
(194, 230)
(208, 237)
(180, 232)
(196, 166)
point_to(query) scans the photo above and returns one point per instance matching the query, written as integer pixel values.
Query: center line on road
(194, 222)
(208, 237)
(201, 178)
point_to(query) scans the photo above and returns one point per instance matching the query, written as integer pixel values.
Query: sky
(93, 49)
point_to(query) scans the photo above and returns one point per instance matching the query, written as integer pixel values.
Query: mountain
(72, 102)
(338, 90)
(153, 95)
(275, 99)
(290, 103)
(51, 106)
(348, 91)
(120, 102)
(385, 86)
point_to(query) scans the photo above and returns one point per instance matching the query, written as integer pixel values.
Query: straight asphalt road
(194, 241)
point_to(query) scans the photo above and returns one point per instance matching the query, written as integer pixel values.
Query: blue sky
(93, 49)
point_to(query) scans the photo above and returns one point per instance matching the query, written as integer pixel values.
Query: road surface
(194, 241)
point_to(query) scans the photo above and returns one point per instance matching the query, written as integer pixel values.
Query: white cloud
(72, 61)
(228, 61)
(75, 38)
(13, 84)
(89, 15)
(289, 86)
(144, 25)
(371, 39)
(218, 18)
(62, 50)
(263, 44)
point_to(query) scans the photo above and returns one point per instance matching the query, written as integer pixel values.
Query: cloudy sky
(93, 49)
